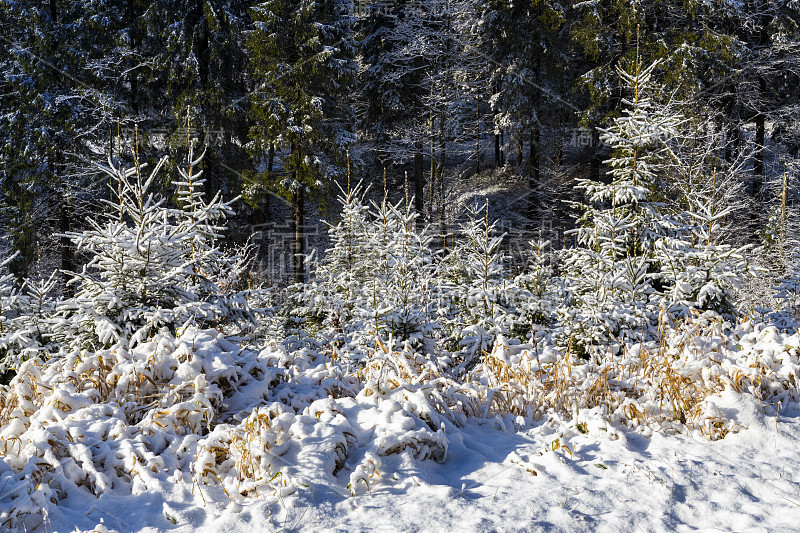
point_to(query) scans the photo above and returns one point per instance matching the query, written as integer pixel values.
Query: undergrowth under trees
(649, 247)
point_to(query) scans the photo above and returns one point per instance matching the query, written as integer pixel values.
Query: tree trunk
(134, 76)
(534, 169)
(497, 150)
(270, 166)
(477, 137)
(442, 161)
(518, 161)
(758, 162)
(432, 182)
(594, 165)
(560, 150)
(419, 183)
(261, 213)
(67, 255)
(497, 155)
(64, 227)
(299, 236)
(202, 47)
(760, 119)
(270, 159)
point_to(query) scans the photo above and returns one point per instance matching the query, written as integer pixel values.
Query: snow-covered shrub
(202, 410)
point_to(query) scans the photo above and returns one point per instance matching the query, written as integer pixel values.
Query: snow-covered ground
(494, 480)
(196, 434)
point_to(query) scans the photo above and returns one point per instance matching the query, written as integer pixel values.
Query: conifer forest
(399, 265)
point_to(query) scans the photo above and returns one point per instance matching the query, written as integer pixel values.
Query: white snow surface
(196, 434)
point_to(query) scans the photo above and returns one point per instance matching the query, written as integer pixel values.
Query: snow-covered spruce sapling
(786, 256)
(788, 290)
(474, 272)
(781, 256)
(533, 295)
(339, 278)
(700, 270)
(412, 271)
(374, 281)
(150, 266)
(7, 298)
(25, 318)
(612, 273)
(394, 302)
(701, 273)
(215, 277)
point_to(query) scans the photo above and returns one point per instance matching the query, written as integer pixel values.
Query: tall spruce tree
(204, 60)
(301, 55)
(529, 54)
(54, 115)
(394, 83)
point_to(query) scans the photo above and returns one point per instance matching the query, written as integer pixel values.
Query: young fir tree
(699, 271)
(376, 281)
(533, 296)
(339, 279)
(25, 317)
(474, 271)
(613, 274)
(787, 290)
(150, 266)
(7, 300)
(402, 282)
(700, 268)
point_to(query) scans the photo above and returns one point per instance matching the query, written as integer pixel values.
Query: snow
(196, 433)
(747, 481)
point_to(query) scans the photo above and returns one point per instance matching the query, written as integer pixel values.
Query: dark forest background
(425, 98)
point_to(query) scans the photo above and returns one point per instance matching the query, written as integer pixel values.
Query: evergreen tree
(301, 52)
(150, 266)
(394, 82)
(701, 264)
(202, 68)
(530, 76)
(534, 295)
(613, 273)
(474, 271)
(377, 280)
(54, 115)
